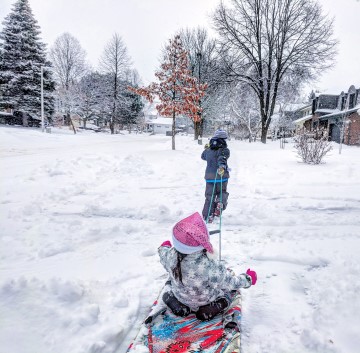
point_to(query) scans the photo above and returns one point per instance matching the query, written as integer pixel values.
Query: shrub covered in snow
(312, 146)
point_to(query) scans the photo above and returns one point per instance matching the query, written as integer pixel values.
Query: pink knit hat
(191, 235)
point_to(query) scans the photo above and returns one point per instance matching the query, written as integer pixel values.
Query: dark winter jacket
(203, 279)
(216, 156)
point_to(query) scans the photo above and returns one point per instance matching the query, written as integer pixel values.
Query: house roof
(341, 112)
(303, 119)
(318, 94)
(327, 111)
(6, 114)
(160, 121)
(307, 106)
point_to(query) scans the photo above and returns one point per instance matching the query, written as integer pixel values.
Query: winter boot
(207, 312)
(218, 209)
(178, 308)
(230, 323)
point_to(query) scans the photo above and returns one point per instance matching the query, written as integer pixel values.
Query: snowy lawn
(81, 218)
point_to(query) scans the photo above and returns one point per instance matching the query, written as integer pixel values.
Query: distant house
(159, 125)
(19, 118)
(303, 122)
(339, 114)
(304, 114)
(289, 118)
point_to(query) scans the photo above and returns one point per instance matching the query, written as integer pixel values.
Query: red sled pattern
(172, 334)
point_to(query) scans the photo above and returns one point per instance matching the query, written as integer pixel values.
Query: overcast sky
(146, 25)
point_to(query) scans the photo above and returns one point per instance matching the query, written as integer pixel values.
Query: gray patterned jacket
(204, 279)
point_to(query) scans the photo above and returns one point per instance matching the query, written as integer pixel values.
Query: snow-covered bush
(312, 146)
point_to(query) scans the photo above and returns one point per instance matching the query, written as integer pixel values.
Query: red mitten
(253, 276)
(166, 243)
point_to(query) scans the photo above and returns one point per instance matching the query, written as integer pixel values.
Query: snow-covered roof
(305, 106)
(160, 121)
(5, 113)
(341, 112)
(303, 119)
(327, 111)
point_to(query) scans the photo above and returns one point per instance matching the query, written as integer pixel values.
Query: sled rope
(221, 208)
(212, 198)
(211, 202)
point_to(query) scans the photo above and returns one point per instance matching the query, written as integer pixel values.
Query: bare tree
(264, 41)
(115, 62)
(68, 59)
(244, 107)
(204, 65)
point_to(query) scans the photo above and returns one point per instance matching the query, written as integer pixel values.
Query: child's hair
(177, 269)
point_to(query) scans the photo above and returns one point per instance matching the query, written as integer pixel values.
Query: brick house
(339, 114)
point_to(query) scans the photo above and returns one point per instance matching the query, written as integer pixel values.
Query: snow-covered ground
(81, 218)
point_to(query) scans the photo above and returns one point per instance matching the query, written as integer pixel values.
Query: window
(351, 100)
(342, 103)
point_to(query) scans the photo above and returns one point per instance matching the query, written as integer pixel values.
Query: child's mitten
(253, 276)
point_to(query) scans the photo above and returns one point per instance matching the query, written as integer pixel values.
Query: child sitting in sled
(198, 284)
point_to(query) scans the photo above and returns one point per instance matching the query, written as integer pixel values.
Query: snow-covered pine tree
(22, 55)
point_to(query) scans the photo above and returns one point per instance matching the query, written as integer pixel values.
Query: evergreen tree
(131, 106)
(22, 55)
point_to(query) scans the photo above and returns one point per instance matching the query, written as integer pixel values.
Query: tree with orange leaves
(178, 91)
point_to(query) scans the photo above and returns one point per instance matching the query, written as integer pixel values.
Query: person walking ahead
(216, 154)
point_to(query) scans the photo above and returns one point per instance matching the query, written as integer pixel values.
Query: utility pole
(42, 99)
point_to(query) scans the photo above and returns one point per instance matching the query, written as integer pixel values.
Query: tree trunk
(197, 129)
(68, 118)
(263, 134)
(173, 132)
(202, 127)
